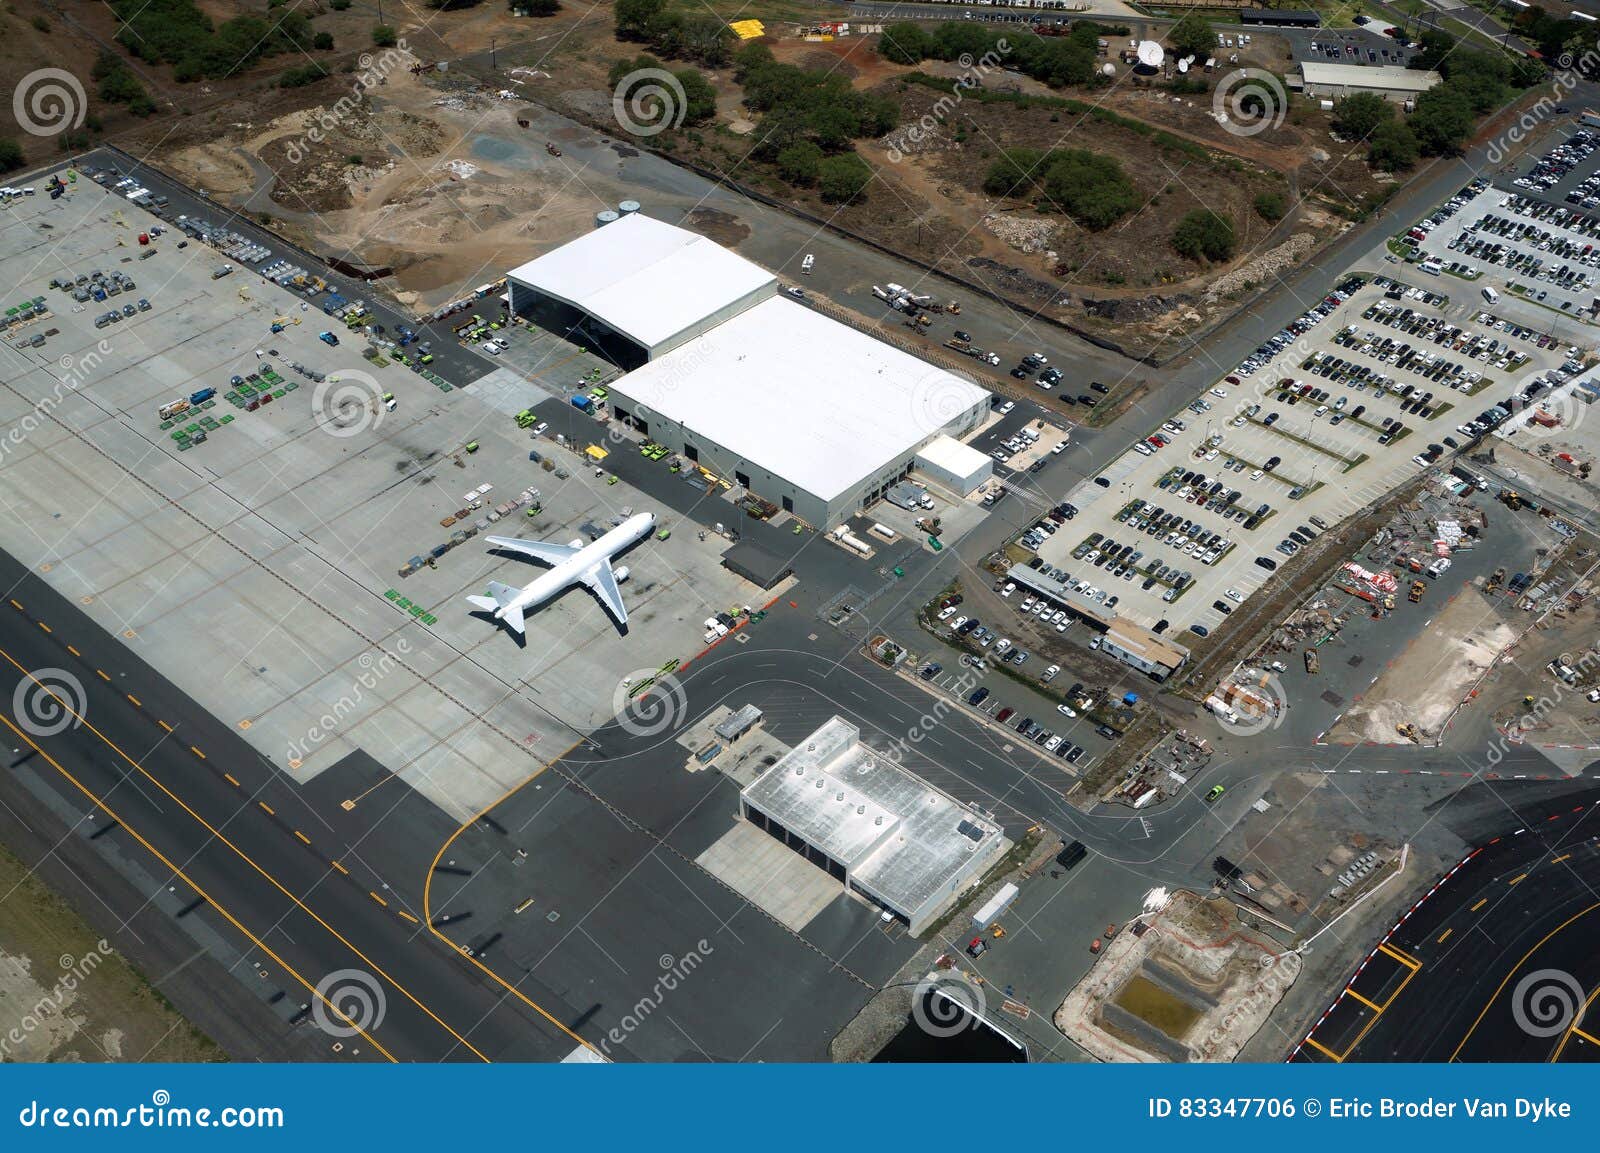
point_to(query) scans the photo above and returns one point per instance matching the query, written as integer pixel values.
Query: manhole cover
(1333, 699)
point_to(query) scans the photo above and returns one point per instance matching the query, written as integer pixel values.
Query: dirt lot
(67, 996)
(1425, 683)
(373, 179)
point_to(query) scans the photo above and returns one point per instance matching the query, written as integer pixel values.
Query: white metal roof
(646, 279)
(805, 397)
(950, 454)
(1390, 76)
(900, 837)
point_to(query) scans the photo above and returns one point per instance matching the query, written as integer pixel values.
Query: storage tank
(628, 207)
(605, 217)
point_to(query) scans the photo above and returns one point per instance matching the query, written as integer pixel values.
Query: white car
(1008, 590)
(946, 613)
(1143, 449)
(1060, 447)
(1234, 595)
(1050, 673)
(957, 623)
(1095, 644)
(1066, 710)
(1257, 475)
(490, 347)
(808, 262)
(1219, 392)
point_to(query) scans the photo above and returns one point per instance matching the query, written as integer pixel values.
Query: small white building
(956, 467)
(881, 831)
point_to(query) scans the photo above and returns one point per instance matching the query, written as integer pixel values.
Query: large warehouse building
(756, 389)
(636, 289)
(879, 830)
(1391, 81)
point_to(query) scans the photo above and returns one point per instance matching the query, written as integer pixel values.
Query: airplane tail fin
(500, 598)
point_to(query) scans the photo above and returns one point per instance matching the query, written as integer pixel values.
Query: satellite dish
(1183, 65)
(1150, 54)
(1109, 69)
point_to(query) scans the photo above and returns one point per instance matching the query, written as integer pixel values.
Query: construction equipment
(1409, 731)
(1417, 589)
(1313, 664)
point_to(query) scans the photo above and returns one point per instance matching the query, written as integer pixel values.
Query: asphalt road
(1497, 963)
(172, 787)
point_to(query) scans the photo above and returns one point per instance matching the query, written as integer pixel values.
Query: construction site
(1186, 981)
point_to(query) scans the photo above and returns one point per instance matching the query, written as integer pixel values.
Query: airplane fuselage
(572, 570)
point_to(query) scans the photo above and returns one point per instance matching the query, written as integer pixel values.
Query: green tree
(1202, 234)
(323, 42)
(1090, 188)
(1356, 116)
(800, 163)
(1270, 206)
(1193, 36)
(384, 36)
(636, 19)
(1442, 121)
(11, 156)
(843, 178)
(1018, 172)
(1392, 147)
(1437, 45)
(700, 98)
(905, 43)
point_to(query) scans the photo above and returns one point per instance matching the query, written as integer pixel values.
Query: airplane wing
(550, 554)
(604, 583)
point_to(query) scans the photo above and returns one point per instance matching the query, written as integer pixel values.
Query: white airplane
(569, 565)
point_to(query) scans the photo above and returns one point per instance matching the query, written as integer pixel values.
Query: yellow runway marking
(197, 752)
(1562, 857)
(1369, 1004)
(74, 651)
(232, 780)
(340, 867)
(377, 898)
(136, 702)
(1443, 935)
(1519, 877)
(1321, 1048)
(177, 872)
(103, 675)
(1513, 972)
(46, 627)
(302, 836)
(1405, 959)
(408, 916)
(164, 725)
(217, 834)
(1481, 903)
(266, 808)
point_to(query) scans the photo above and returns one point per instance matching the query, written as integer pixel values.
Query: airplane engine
(620, 572)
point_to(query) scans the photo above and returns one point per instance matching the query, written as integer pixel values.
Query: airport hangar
(751, 386)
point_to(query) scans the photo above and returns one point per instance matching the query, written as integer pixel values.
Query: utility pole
(494, 65)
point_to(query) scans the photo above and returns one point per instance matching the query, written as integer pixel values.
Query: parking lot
(1526, 249)
(315, 526)
(1375, 384)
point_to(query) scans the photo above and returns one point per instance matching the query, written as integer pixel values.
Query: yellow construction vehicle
(1409, 731)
